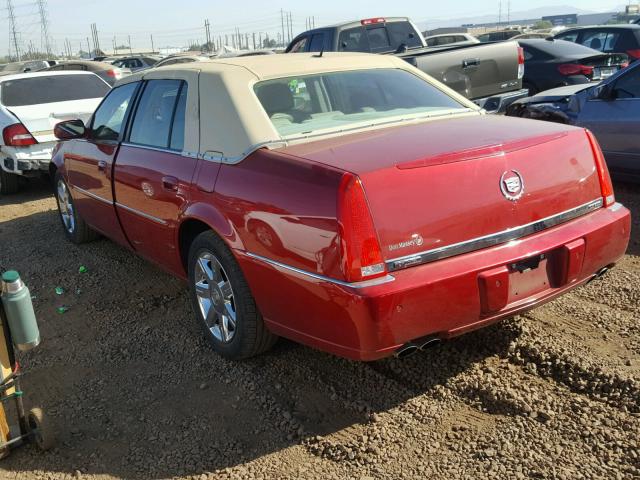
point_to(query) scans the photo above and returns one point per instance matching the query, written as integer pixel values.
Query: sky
(179, 23)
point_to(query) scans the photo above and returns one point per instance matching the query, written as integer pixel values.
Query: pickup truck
(488, 74)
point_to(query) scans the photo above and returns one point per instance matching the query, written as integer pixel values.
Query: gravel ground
(134, 391)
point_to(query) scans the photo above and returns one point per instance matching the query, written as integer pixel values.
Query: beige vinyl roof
(222, 103)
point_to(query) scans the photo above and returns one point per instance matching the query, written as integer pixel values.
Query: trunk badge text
(512, 185)
(416, 241)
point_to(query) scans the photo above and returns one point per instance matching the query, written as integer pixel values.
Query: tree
(542, 25)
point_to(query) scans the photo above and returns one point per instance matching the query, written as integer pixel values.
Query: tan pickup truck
(489, 74)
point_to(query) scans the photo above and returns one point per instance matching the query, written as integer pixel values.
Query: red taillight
(112, 73)
(361, 255)
(634, 54)
(568, 69)
(520, 62)
(624, 65)
(17, 135)
(606, 187)
(371, 21)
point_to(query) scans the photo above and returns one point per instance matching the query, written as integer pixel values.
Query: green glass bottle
(16, 301)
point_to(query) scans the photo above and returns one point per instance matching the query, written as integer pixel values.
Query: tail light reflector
(520, 63)
(17, 135)
(361, 255)
(568, 69)
(634, 54)
(606, 186)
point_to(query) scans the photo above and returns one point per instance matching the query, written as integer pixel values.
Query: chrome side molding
(283, 266)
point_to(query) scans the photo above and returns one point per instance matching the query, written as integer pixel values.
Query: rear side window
(56, 88)
(403, 32)
(628, 86)
(317, 42)
(153, 120)
(353, 40)
(602, 41)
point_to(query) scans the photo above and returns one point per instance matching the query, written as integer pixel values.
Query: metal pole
(152, 47)
(282, 20)
(130, 51)
(12, 21)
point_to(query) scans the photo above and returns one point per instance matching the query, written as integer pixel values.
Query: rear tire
(9, 183)
(75, 228)
(222, 301)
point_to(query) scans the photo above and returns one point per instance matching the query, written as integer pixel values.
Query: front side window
(339, 100)
(299, 46)
(154, 115)
(628, 86)
(109, 118)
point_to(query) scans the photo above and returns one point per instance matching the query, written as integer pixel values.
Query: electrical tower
(44, 24)
(12, 28)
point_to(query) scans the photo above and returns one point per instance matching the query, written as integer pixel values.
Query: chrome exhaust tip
(430, 342)
(599, 274)
(406, 350)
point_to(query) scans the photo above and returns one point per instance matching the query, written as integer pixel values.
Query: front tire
(222, 301)
(9, 183)
(75, 228)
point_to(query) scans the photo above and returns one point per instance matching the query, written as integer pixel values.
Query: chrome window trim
(493, 239)
(92, 195)
(364, 284)
(158, 149)
(221, 158)
(142, 214)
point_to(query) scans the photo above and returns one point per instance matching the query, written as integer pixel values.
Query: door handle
(102, 165)
(170, 183)
(470, 62)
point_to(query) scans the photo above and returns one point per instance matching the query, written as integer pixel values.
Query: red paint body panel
(152, 189)
(89, 167)
(450, 198)
(442, 298)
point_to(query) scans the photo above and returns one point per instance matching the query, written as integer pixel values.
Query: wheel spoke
(225, 288)
(224, 328)
(203, 263)
(230, 313)
(202, 290)
(210, 315)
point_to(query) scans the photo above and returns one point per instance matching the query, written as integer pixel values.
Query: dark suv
(607, 38)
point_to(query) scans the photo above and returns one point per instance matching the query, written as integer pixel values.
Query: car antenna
(320, 54)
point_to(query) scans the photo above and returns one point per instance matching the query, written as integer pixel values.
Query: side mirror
(69, 130)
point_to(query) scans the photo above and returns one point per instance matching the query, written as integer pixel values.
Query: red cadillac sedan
(347, 202)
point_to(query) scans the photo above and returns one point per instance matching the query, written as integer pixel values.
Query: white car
(30, 106)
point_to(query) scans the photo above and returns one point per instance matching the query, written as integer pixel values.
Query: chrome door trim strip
(366, 283)
(493, 239)
(92, 195)
(142, 214)
(183, 153)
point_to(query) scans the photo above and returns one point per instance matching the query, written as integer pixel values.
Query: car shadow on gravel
(34, 189)
(134, 391)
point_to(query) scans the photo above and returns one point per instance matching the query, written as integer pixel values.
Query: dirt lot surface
(134, 391)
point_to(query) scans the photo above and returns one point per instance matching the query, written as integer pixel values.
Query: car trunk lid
(40, 119)
(438, 184)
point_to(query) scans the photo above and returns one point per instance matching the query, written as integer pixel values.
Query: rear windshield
(378, 37)
(58, 88)
(338, 100)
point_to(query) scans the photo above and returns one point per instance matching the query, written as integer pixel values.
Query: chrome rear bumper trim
(494, 239)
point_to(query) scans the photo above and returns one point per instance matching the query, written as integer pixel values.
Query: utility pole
(152, 47)
(14, 33)
(96, 41)
(115, 46)
(130, 51)
(88, 47)
(290, 27)
(282, 20)
(207, 31)
(500, 13)
(508, 12)
(254, 40)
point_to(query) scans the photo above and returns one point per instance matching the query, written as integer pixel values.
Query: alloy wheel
(66, 207)
(215, 297)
